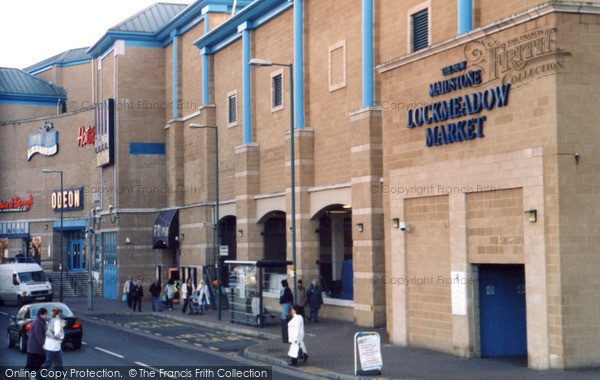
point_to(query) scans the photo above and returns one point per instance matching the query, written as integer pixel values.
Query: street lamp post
(216, 241)
(256, 62)
(89, 249)
(46, 171)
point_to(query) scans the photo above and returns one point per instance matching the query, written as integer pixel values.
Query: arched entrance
(335, 250)
(274, 236)
(227, 228)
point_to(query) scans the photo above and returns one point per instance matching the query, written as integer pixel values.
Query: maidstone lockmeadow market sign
(447, 111)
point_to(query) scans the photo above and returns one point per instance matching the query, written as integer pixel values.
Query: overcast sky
(31, 31)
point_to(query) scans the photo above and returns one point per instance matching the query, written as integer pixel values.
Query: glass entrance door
(76, 254)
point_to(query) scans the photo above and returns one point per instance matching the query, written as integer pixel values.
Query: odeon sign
(68, 199)
(470, 104)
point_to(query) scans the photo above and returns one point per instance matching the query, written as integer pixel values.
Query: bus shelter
(249, 282)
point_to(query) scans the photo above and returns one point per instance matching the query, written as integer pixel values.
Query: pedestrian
(155, 290)
(54, 337)
(170, 293)
(186, 291)
(301, 298)
(128, 291)
(315, 300)
(138, 294)
(203, 296)
(285, 299)
(35, 342)
(296, 337)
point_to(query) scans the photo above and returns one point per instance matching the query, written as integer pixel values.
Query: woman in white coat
(296, 337)
(203, 296)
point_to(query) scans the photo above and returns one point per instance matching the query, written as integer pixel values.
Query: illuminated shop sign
(68, 199)
(45, 142)
(86, 135)
(16, 204)
(105, 133)
(458, 107)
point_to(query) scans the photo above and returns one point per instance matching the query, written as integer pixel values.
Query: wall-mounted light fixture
(46, 227)
(241, 233)
(396, 222)
(531, 215)
(359, 227)
(127, 241)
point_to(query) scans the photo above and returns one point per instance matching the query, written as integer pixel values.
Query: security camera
(404, 227)
(110, 208)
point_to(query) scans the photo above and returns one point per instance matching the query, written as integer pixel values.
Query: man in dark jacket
(138, 294)
(315, 299)
(155, 292)
(35, 343)
(128, 290)
(302, 299)
(285, 299)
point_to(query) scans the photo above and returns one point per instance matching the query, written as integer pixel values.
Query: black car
(19, 325)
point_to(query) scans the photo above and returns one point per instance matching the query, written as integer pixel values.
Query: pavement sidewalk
(330, 347)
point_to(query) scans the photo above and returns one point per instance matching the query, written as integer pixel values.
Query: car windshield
(31, 277)
(66, 312)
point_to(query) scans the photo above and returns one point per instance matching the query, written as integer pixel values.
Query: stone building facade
(443, 161)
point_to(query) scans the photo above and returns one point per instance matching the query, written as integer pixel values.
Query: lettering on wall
(67, 200)
(45, 142)
(86, 135)
(16, 204)
(518, 60)
(460, 106)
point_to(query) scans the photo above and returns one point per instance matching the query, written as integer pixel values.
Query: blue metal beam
(246, 83)
(367, 53)
(298, 64)
(465, 16)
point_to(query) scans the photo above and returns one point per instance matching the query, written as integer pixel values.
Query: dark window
(277, 91)
(420, 30)
(232, 109)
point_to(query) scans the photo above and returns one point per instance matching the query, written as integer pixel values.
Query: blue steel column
(205, 79)
(298, 64)
(465, 16)
(175, 110)
(246, 83)
(205, 66)
(367, 53)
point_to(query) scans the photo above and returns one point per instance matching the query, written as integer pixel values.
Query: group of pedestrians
(295, 325)
(45, 341)
(312, 297)
(133, 292)
(197, 299)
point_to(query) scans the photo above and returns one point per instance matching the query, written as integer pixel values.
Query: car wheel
(23, 343)
(19, 301)
(9, 342)
(77, 344)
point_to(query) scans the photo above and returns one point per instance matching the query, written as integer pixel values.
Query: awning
(70, 224)
(166, 228)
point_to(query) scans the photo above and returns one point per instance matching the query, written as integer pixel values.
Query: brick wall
(578, 220)
(428, 257)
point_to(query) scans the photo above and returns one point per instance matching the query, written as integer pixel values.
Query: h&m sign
(68, 199)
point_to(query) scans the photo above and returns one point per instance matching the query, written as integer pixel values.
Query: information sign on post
(367, 345)
(224, 250)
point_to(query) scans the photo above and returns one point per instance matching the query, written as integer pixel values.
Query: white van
(22, 283)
